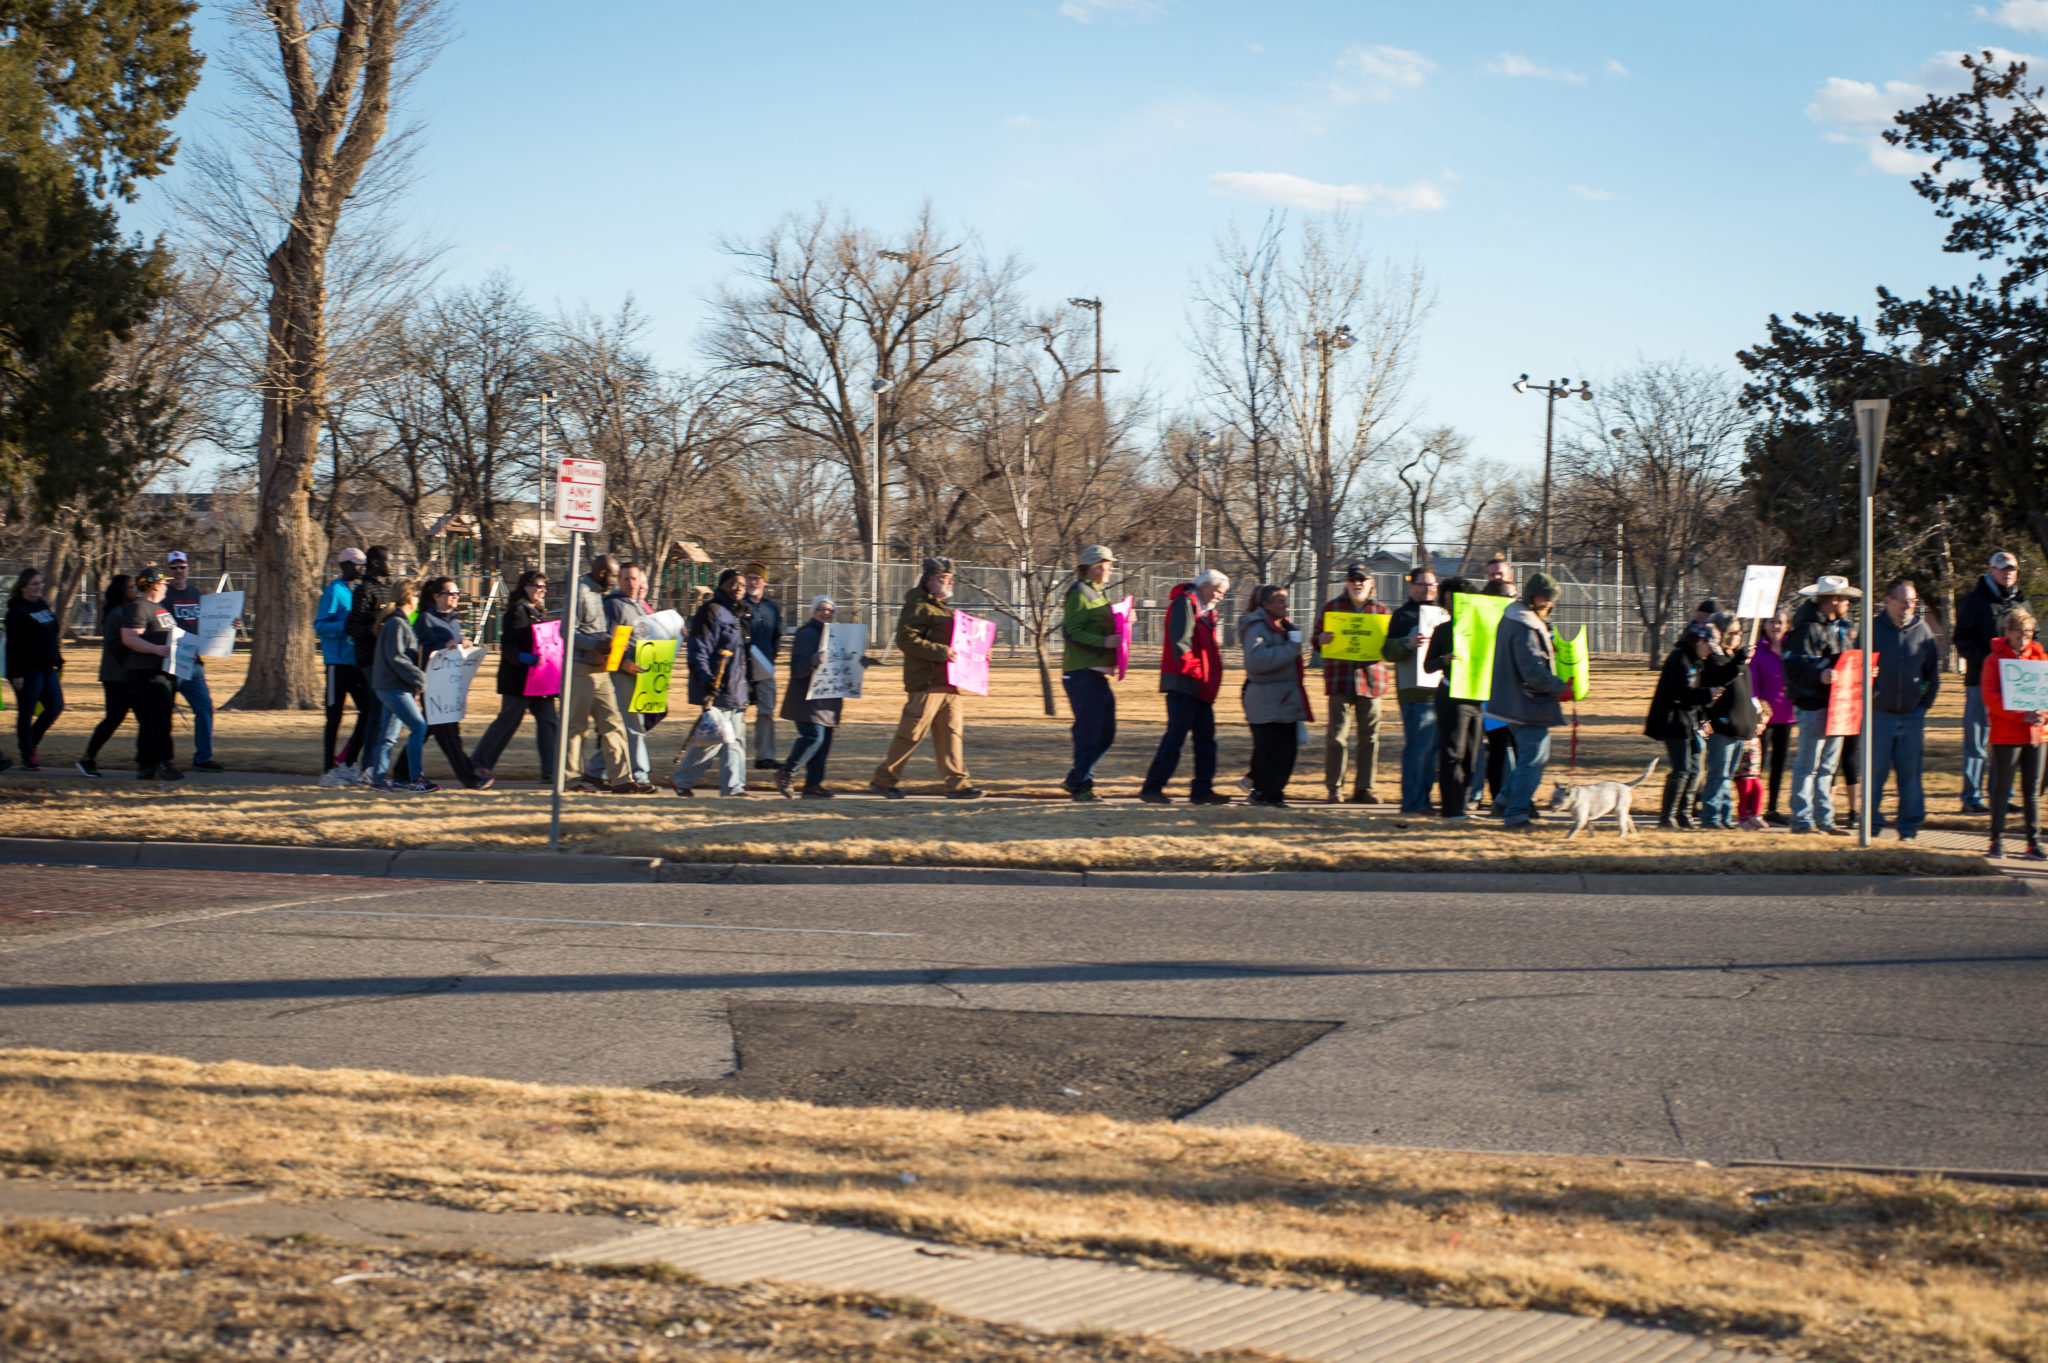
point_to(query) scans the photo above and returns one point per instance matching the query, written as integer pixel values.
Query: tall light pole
(876, 387)
(1094, 305)
(546, 397)
(1560, 388)
(1205, 443)
(1871, 415)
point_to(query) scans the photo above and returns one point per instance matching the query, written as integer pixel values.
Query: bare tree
(1423, 472)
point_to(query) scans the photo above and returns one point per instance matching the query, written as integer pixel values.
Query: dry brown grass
(153, 1291)
(1827, 1266)
(1010, 751)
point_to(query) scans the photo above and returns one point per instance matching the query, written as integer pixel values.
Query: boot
(1682, 816)
(1672, 782)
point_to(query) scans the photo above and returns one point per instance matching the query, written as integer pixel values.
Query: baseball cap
(176, 556)
(1096, 553)
(148, 576)
(1357, 570)
(2001, 559)
(351, 556)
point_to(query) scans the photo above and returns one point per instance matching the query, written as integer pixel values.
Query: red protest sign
(1845, 701)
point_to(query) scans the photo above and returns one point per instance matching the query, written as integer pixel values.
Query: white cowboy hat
(1831, 585)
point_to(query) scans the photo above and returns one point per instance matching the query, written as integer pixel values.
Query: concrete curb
(538, 867)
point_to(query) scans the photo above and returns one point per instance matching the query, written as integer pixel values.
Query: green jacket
(924, 632)
(1090, 628)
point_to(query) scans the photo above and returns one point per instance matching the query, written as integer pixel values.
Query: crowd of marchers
(1732, 713)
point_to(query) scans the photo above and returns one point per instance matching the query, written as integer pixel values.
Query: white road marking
(595, 922)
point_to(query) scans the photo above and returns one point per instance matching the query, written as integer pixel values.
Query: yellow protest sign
(621, 636)
(1475, 619)
(657, 659)
(1360, 638)
(1575, 663)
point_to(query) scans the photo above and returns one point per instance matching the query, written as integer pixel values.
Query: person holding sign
(1526, 692)
(517, 653)
(717, 655)
(593, 699)
(146, 629)
(182, 599)
(1909, 663)
(1980, 619)
(397, 676)
(1190, 679)
(924, 631)
(1821, 632)
(1086, 665)
(35, 663)
(1354, 688)
(1415, 688)
(1678, 717)
(439, 629)
(816, 720)
(1458, 735)
(624, 608)
(2017, 671)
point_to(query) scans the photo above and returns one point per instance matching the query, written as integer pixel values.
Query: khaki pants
(940, 712)
(1344, 711)
(602, 701)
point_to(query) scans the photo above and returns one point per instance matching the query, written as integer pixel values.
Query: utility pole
(1871, 415)
(540, 491)
(1560, 388)
(876, 387)
(1094, 305)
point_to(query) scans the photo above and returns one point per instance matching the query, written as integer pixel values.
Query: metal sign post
(579, 509)
(1871, 415)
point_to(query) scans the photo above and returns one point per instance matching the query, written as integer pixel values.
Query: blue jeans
(1717, 794)
(44, 687)
(1418, 755)
(1186, 717)
(1897, 743)
(400, 709)
(1976, 745)
(1532, 754)
(1093, 701)
(730, 751)
(1813, 772)
(200, 699)
(813, 746)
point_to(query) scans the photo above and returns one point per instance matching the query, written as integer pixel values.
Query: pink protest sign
(973, 641)
(1122, 612)
(544, 678)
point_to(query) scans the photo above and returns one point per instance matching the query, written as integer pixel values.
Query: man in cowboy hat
(1821, 630)
(1980, 618)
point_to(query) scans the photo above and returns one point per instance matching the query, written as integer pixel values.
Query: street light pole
(540, 495)
(1871, 414)
(1094, 305)
(1560, 388)
(1205, 441)
(876, 387)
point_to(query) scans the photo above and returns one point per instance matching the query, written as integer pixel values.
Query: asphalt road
(1811, 1030)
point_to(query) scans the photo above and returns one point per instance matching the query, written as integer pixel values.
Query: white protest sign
(659, 625)
(839, 671)
(579, 495)
(1427, 621)
(182, 661)
(217, 616)
(1762, 585)
(449, 673)
(2022, 684)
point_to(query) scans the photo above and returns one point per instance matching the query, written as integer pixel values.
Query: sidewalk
(1184, 1309)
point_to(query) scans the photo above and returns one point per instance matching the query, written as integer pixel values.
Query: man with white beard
(1354, 690)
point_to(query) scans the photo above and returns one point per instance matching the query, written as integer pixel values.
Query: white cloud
(1842, 103)
(1865, 108)
(1020, 121)
(2028, 16)
(1386, 70)
(1584, 192)
(1515, 64)
(1615, 68)
(1294, 191)
(1082, 11)
(1897, 160)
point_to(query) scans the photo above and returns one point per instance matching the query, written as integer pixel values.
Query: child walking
(1749, 774)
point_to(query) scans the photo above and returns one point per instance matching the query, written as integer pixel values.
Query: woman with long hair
(440, 628)
(397, 676)
(146, 627)
(1767, 686)
(1276, 702)
(35, 663)
(1678, 718)
(516, 654)
(113, 674)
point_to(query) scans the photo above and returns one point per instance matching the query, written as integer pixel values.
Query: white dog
(1598, 800)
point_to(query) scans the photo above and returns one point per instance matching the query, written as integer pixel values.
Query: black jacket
(34, 643)
(372, 595)
(1733, 713)
(515, 638)
(1810, 648)
(1679, 704)
(1980, 618)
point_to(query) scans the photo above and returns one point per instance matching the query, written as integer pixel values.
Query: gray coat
(1272, 690)
(1526, 687)
(593, 633)
(396, 666)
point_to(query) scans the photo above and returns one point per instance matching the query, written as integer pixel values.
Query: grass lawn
(1828, 1266)
(1012, 749)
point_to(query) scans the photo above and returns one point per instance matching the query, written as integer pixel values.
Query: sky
(1584, 184)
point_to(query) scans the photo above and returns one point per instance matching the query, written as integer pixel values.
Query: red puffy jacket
(2007, 726)
(1195, 655)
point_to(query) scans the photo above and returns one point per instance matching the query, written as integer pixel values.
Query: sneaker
(1460, 818)
(683, 791)
(1834, 831)
(1364, 797)
(2034, 853)
(1975, 807)
(208, 765)
(737, 795)
(1804, 828)
(632, 788)
(767, 764)
(422, 786)
(1214, 797)
(891, 793)
(1995, 850)
(145, 773)
(817, 793)
(1777, 820)
(1153, 797)
(484, 779)
(587, 785)
(966, 793)
(28, 761)
(1079, 797)
(382, 787)
(1330, 796)
(1912, 835)
(167, 772)
(785, 783)
(88, 767)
